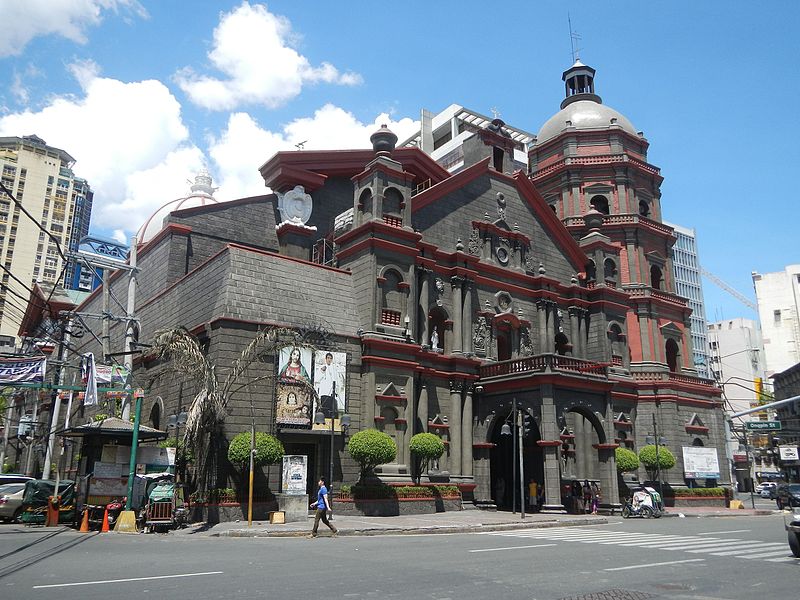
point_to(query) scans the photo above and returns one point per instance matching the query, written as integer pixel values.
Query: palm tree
(209, 407)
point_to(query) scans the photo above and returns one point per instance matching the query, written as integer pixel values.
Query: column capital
(456, 386)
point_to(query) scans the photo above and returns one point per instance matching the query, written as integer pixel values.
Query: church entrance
(504, 462)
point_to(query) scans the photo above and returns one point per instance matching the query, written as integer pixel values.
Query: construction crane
(722, 285)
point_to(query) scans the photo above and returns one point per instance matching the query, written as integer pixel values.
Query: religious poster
(294, 365)
(294, 474)
(294, 405)
(330, 377)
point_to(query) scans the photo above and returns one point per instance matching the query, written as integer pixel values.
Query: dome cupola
(579, 84)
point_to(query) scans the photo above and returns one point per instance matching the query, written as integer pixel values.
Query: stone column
(466, 434)
(542, 306)
(408, 415)
(574, 331)
(454, 421)
(551, 446)
(422, 406)
(423, 302)
(466, 323)
(368, 400)
(456, 282)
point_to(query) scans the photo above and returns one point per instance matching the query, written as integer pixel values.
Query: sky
(146, 93)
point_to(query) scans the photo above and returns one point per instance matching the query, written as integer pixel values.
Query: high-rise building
(778, 296)
(40, 177)
(686, 268)
(82, 197)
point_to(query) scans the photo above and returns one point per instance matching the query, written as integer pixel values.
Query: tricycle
(165, 507)
(645, 502)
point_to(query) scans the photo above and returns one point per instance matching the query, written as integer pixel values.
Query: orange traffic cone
(104, 528)
(85, 522)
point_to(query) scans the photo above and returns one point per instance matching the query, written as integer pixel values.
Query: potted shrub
(627, 461)
(425, 447)
(664, 461)
(371, 448)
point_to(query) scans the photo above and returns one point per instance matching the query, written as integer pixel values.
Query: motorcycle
(97, 511)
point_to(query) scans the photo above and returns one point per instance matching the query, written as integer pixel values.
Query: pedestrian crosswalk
(692, 544)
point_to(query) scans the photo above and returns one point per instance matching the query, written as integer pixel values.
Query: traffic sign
(763, 425)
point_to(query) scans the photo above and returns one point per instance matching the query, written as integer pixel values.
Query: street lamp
(516, 453)
(319, 419)
(176, 421)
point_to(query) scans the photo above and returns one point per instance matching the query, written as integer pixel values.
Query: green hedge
(627, 461)
(370, 448)
(697, 492)
(269, 449)
(389, 492)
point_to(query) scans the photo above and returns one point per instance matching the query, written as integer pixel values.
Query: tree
(425, 447)
(627, 461)
(269, 450)
(182, 353)
(370, 448)
(647, 456)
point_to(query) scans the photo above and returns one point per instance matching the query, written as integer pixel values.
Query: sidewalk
(450, 522)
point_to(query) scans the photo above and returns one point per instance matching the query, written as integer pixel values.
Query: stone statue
(435, 340)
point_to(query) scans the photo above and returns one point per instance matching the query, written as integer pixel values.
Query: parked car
(768, 489)
(788, 495)
(11, 501)
(791, 521)
(13, 478)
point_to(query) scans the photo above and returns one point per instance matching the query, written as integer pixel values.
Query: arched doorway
(504, 463)
(581, 433)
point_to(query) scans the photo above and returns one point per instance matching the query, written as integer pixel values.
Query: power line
(35, 221)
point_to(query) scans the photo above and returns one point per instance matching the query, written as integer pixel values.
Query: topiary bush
(425, 447)
(370, 448)
(647, 456)
(269, 449)
(627, 461)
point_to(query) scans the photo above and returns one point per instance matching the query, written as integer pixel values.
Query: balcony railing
(649, 376)
(544, 362)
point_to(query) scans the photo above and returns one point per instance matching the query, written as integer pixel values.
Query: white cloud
(128, 139)
(252, 50)
(244, 146)
(27, 19)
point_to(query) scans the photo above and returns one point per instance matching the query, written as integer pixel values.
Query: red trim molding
(548, 443)
(484, 445)
(605, 446)
(390, 399)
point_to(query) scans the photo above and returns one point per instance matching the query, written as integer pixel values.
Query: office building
(778, 296)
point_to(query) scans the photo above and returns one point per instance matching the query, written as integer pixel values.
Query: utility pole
(131, 324)
(518, 421)
(56, 409)
(28, 461)
(7, 430)
(106, 333)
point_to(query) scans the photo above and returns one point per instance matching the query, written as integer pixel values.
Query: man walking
(322, 505)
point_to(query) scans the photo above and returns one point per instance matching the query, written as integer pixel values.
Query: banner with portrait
(294, 364)
(294, 404)
(330, 381)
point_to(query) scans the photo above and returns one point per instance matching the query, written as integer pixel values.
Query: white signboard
(700, 462)
(789, 453)
(293, 480)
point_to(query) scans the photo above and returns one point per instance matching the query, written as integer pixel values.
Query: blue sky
(145, 93)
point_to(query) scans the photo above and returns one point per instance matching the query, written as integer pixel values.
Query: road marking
(721, 532)
(512, 548)
(661, 564)
(751, 548)
(55, 585)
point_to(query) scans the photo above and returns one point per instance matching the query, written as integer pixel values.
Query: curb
(728, 514)
(241, 533)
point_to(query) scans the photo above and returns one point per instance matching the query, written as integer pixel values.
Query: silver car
(11, 501)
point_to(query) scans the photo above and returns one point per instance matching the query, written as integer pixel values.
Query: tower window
(644, 208)
(776, 317)
(655, 277)
(600, 204)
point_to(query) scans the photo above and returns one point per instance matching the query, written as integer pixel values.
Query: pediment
(670, 330)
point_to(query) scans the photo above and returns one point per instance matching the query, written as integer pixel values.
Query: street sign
(763, 425)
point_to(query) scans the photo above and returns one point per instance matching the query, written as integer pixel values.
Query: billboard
(22, 370)
(700, 462)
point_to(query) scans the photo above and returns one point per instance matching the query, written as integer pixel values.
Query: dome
(583, 115)
(202, 194)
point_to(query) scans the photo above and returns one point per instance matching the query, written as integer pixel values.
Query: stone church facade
(454, 297)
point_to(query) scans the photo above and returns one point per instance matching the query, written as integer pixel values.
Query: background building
(686, 267)
(83, 198)
(41, 178)
(778, 296)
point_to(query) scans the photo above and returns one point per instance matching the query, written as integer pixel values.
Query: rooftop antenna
(301, 145)
(574, 38)
(495, 112)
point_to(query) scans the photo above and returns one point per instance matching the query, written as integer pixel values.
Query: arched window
(392, 207)
(591, 271)
(365, 203)
(617, 341)
(392, 299)
(155, 416)
(600, 204)
(610, 270)
(562, 344)
(644, 208)
(655, 277)
(673, 353)
(697, 442)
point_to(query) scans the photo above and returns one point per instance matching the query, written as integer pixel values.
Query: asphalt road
(693, 558)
